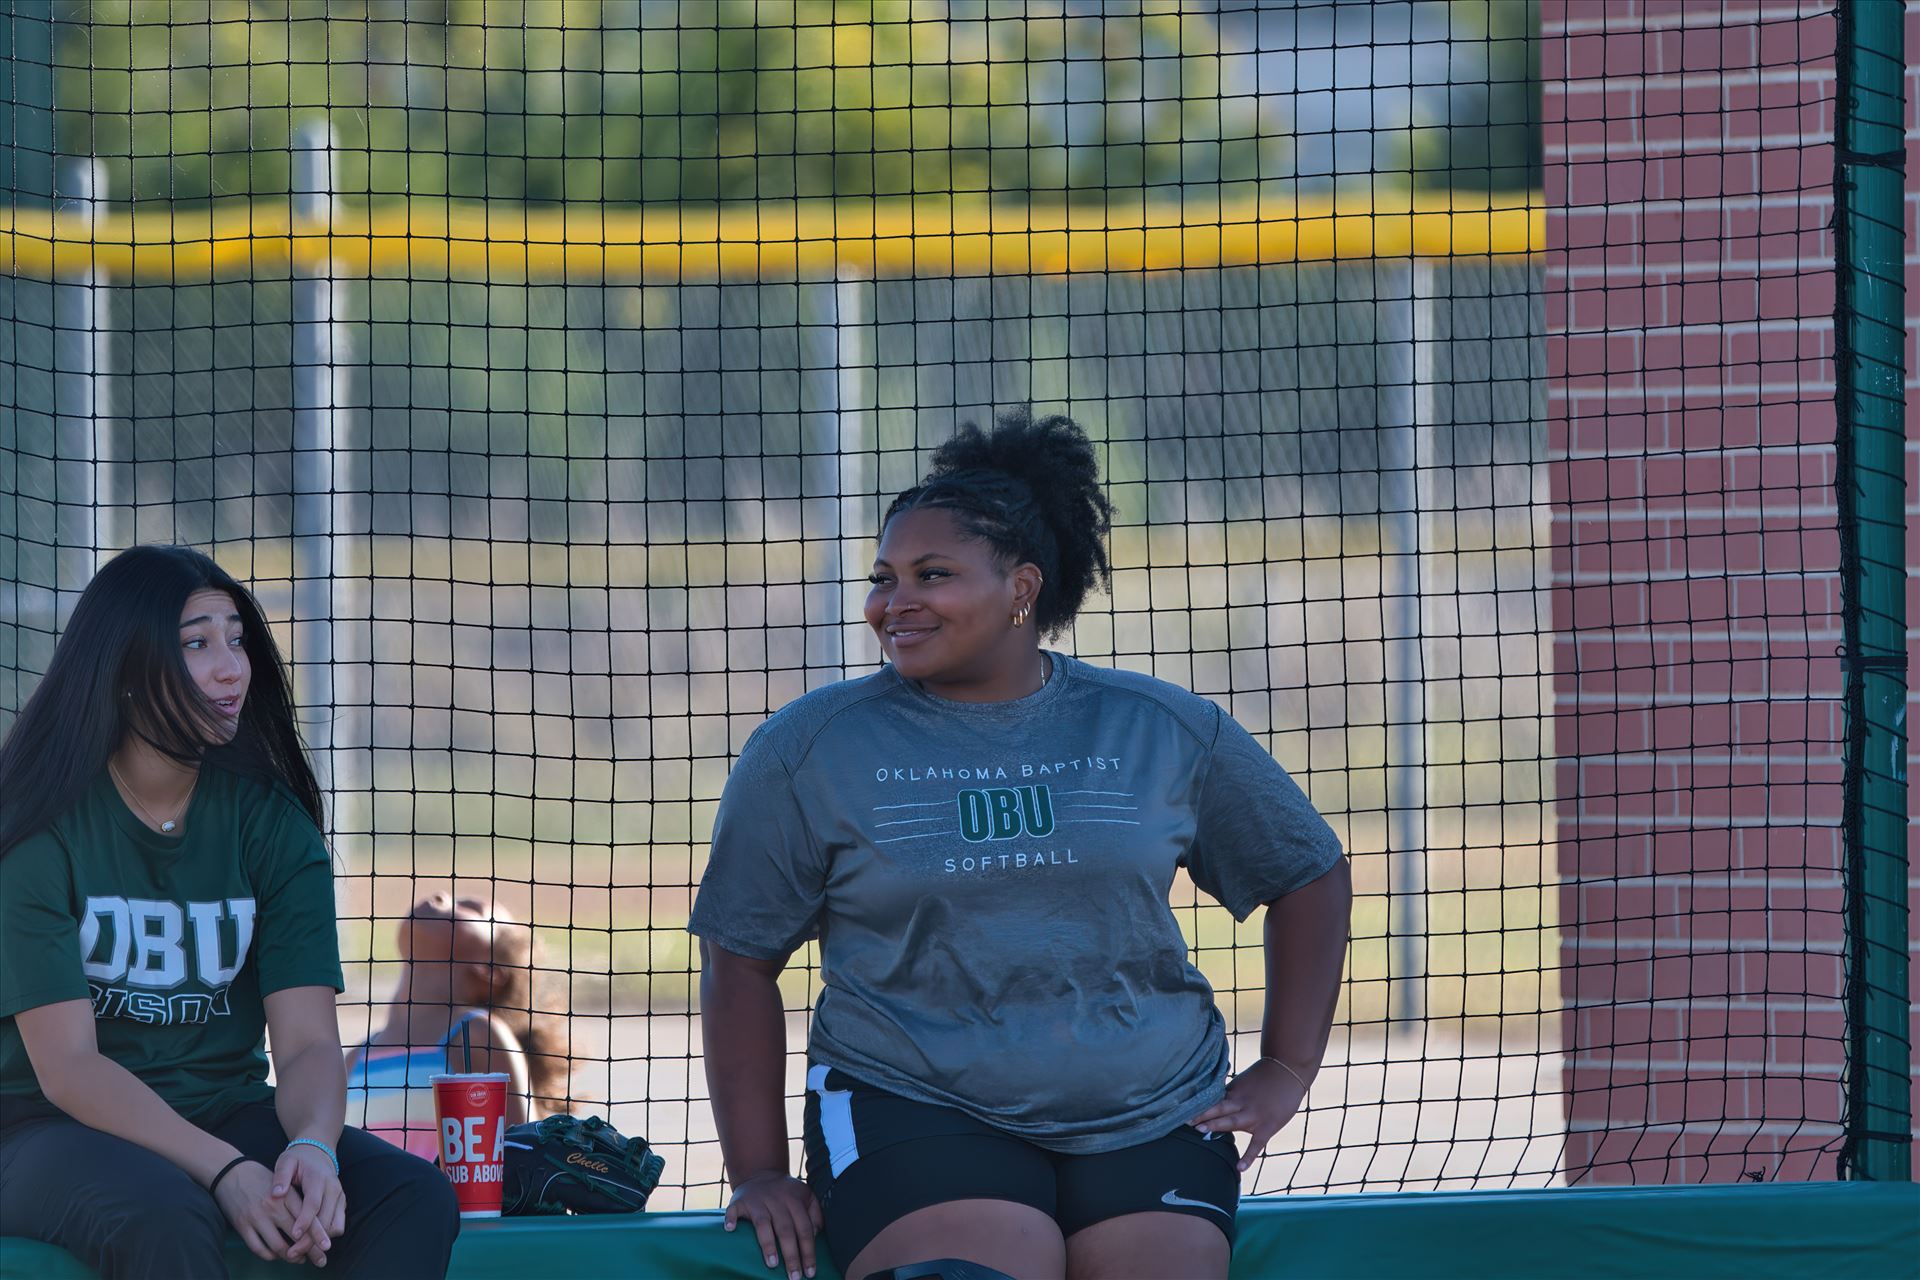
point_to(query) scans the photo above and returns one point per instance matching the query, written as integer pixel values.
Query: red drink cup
(471, 1108)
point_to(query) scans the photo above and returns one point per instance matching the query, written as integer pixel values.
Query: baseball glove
(563, 1164)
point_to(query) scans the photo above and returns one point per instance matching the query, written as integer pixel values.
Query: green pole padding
(26, 103)
(1870, 489)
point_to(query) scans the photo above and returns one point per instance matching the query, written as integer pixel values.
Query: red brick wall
(1689, 287)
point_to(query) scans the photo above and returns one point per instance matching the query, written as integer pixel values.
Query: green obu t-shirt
(175, 940)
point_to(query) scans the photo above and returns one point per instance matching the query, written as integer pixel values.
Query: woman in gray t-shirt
(1013, 1061)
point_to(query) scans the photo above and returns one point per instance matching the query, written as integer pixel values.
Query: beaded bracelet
(324, 1148)
(1304, 1082)
(225, 1169)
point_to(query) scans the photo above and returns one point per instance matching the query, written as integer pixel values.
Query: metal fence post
(318, 346)
(1405, 359)
(836, 339)
(856, 302)
(85, 442)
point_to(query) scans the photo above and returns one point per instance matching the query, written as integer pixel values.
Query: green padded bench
(1853, 1229)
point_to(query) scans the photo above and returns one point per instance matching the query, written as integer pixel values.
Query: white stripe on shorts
(836, 1120)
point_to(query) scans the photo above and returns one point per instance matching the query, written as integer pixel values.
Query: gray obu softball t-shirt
(989, 885)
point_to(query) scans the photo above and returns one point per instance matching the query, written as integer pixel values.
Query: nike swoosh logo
(1174, 1197)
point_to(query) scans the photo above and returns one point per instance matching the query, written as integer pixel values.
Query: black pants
(129, 1213)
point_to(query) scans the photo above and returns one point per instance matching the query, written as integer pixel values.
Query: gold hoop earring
(1020, 615)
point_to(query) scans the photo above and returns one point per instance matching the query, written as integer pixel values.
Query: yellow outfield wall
(775, 240)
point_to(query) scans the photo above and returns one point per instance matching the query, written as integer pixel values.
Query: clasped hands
(290, 1213)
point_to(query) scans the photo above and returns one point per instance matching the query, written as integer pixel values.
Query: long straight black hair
(118, 669)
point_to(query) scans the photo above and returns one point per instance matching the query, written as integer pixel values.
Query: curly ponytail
(1030, 489)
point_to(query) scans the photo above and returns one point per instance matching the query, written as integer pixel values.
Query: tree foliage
(629, 101)
(663, 100)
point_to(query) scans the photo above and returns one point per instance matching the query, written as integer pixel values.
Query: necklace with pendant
(167, 827)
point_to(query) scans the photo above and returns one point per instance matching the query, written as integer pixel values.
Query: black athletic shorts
(874, 1157)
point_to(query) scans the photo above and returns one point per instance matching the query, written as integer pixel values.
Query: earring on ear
(1020, 615)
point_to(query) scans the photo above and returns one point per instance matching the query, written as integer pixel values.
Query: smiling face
(213, 645)
(942, 605)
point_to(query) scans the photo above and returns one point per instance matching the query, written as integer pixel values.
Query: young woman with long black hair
(1013, 1061)
(166, 900)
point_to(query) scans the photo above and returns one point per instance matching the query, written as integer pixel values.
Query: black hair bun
(1030, 487)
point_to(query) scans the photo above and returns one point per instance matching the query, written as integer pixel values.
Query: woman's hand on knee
(246, 1199)
(785, 1217)
(305, 1183)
